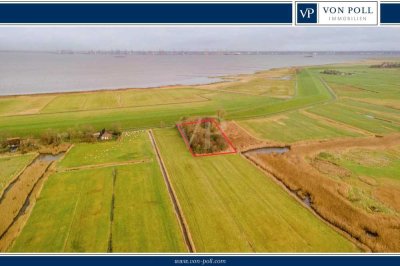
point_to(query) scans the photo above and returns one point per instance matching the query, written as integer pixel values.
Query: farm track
(104, 165)
(178, 210)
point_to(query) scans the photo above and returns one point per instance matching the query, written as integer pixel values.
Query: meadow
(130, 147)
(104, 209)
(292, 127)
(230, 205)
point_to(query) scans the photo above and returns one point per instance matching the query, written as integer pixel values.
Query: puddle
(49, 157)
(270, 150)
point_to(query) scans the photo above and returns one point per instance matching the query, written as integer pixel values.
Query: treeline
(52, 137)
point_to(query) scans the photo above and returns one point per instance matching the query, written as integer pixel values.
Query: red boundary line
(179, 126)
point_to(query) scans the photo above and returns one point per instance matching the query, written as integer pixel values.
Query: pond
(269, 150)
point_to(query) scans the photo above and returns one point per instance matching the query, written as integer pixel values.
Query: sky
(200, 38)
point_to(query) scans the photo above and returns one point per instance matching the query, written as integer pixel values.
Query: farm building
(106, 136)
(103, 135)
(13, 143)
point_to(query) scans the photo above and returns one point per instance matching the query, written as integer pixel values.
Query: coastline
(223, 79)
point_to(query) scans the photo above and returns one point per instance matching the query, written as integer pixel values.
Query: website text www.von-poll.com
(208, 261)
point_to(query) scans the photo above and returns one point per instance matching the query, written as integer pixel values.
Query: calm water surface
(25, 73)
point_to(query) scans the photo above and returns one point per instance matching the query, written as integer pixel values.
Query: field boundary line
(178, 210)
(280, 183)
(335, 123)
(104, 165)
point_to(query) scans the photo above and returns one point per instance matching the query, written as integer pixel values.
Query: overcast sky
(199, 38)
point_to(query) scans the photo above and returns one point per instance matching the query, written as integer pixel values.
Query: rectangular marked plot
(293, 127)
(132, 146)
(231, 206)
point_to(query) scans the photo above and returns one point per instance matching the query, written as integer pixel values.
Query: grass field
(130, 147)
(231, 206)
(73, 212)
(139, 110)
(293, 126)
(12, 165)
(119, 99)
(355, 117)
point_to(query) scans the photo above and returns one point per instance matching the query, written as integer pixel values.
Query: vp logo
(307, 13)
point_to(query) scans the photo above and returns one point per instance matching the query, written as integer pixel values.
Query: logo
(337, 13)
(307, 13)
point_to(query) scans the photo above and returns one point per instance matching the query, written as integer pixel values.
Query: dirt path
(178, 211)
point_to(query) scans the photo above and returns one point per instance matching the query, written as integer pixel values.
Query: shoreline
(222, 79)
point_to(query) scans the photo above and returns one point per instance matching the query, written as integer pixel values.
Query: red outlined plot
(231, 149)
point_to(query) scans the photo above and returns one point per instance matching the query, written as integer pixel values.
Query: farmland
(73, 213)
(215, 187)
(281, 128)
(334, 188)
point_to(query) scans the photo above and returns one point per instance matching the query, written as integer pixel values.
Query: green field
(73, 212)
(120, 99)
(293, 127)
(359, 118)
(130, 147)
(231, 206)
(195, 101)
(10, 166)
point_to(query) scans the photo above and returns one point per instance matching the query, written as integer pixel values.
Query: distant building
(13, 143)
(106, 136)
(103, 135)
